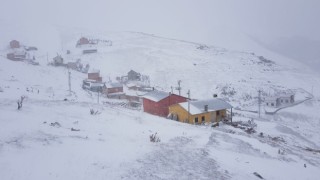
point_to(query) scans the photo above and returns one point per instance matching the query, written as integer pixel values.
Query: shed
(83, 41)
(17, 56)
(113, 88)
(58, 60)
(95, 75)
(133, 76)
(93, 85)
(14, 44)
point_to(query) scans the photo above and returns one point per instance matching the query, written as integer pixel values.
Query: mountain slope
(42, 141)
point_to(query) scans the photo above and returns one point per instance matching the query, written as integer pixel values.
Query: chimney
(206, 108)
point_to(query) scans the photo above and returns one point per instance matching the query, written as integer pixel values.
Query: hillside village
(133, 90)
(138, 93)
(182, 112)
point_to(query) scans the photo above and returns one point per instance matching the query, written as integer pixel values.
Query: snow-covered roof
(270, 99)
(135, 84)
(94, 71)
(58, 57)
(96, 84)
(285, 95)
(278, 96)
(114, 85)
(116, 93)
(89, 80)
(156, 95)
(19, 53)
(197, 107)
(132, 84)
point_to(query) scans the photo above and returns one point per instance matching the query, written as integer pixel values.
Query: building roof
(58, 57)
(94, 71)
(14, 41)
(133, 72)
(270, 99)
(97, 84)
(278, 96)
(285, 95)
(19, 53)
(114, 85)
(197, 107)
(156, 95)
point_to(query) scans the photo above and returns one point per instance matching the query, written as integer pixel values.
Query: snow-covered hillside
(50, 138)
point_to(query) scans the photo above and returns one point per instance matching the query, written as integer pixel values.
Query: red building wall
(14, 44)
(114, 90)
(83, 41)
(161, 108)
(95, 76)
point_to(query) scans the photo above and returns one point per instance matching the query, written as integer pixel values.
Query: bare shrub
(73, 129)
(154, 138)
(55, 124)
(227, 90)
(20, 102)
(93, 112)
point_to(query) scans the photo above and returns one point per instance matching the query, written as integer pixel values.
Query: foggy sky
(274, 24)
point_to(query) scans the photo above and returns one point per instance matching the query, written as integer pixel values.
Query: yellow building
(196, 112)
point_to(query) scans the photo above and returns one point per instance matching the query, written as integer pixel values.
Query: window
(287, 101)
(281, 100)
(203, 118)
(272, 104)
(267, 104)
(196, 120)
(218, 113)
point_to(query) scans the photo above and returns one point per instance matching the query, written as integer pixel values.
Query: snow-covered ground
(50, 138)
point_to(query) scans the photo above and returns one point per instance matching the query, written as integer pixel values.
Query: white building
(280, 100)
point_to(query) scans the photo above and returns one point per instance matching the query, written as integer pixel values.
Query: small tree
(20, 102)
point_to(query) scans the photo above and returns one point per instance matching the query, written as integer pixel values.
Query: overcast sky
(227, 23)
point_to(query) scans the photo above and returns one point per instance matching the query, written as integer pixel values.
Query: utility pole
(171, 90)
(179, 87)
(47, 57)
(61, 45)
(69, 83)
(98, 94)
(259, 101)
(189, 95)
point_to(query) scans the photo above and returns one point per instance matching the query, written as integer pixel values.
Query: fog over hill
(275, 24)
(52, 127)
